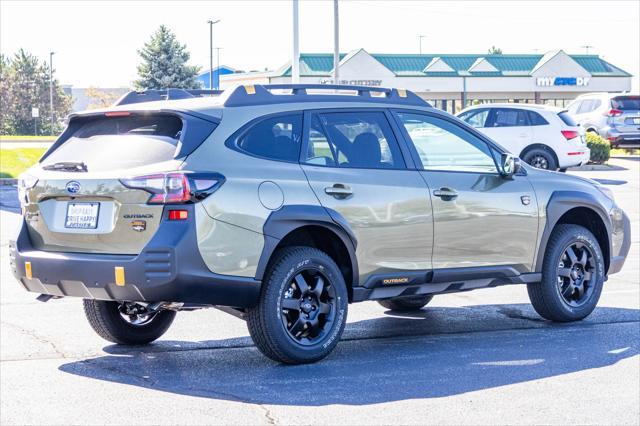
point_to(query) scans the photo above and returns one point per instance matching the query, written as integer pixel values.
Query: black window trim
(456, 122)
(232, 141)
(405, 154)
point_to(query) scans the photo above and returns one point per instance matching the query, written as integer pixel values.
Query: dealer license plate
(82, 215)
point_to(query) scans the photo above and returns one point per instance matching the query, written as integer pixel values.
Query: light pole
(336, 43)
(218, 67)
(211, 22)
(295, 59)
(420, 37)
(586, 47)
(51, 88)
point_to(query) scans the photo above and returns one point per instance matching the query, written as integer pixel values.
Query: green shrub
(600, 148)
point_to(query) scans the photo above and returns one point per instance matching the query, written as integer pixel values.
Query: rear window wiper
(67, 166)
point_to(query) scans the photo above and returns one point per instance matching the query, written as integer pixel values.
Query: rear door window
(107, 143)
(536, 119)
(353, 140)
(509, 117)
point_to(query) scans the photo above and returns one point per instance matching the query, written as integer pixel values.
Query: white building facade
(451, 81)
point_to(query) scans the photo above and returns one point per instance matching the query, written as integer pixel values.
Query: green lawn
(27, 138)
(15, 161)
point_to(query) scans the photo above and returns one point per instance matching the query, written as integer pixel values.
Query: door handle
(445, 193)
(339, 191)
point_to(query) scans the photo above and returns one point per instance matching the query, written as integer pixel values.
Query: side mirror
(509, 165)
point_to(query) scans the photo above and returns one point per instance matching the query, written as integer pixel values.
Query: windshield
(107, 143)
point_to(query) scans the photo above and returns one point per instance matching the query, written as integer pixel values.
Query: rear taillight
(613, 113)
(176, 187)
(570, 134)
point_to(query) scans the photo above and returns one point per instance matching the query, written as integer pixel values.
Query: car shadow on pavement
(9, 199)
(427, 354)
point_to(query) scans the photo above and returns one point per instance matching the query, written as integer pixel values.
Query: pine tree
(24, 84)
(164, 63)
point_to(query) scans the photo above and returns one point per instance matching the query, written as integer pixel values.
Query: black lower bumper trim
(169, 269)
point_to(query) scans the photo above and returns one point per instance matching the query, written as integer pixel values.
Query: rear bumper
(574, 156)
(622, 138)
(169, 269)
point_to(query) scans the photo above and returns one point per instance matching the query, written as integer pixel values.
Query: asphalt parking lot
(481, 357)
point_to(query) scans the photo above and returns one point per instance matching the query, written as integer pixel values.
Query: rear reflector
(570, 134)
(575, 153)
(178, 214)
(118, 271)
(27, 270)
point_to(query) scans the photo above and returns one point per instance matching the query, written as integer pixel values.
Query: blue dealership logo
(73, 187)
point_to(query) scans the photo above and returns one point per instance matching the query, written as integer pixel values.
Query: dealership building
(449, 81)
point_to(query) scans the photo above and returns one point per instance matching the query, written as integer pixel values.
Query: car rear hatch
(624, 114)
(77, 198)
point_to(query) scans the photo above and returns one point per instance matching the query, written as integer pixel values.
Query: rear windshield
(108, 143)
(626, 103)
(567, 118)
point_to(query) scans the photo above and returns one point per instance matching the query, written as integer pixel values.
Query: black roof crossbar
(134, 97)
(262, 94)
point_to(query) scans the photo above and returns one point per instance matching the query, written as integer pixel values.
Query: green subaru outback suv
(284, 204)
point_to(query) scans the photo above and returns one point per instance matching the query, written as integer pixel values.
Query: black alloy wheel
(308, 307)
(575, 274)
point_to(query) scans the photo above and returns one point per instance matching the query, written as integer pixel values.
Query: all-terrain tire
(265, 321)
(105, 319)
(546, 296)
(412, 303)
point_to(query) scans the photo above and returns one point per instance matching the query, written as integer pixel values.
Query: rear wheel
(541, 158)
(412, 303)
(572, 275)
(302, 309)
(126, 323)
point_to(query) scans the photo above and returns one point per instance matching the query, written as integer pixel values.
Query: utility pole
(51, 90)
(295, 60)
(211, 22)
(420, 37)
(336, 43)
(218, 67)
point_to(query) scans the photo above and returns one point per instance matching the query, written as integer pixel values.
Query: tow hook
(46, 297)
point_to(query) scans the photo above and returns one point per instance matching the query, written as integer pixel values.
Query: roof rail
(135, 97)
(262, 94)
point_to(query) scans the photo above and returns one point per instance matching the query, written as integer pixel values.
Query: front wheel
(126, 323)
(302, 309)
(572, 275)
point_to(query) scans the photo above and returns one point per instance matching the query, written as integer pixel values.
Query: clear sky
(96, 41)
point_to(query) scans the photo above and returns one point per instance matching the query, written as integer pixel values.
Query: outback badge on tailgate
(139, 225)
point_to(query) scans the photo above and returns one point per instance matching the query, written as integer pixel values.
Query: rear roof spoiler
(135, 97)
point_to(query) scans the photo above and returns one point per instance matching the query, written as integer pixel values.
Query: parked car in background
(614, 116)
(545, 137)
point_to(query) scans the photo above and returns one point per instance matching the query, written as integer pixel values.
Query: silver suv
(283, 204)
(614, 116)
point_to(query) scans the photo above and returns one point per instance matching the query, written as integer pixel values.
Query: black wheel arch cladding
(562, 202)
(289, 218)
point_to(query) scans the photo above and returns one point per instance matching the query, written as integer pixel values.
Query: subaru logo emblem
(73, 187)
